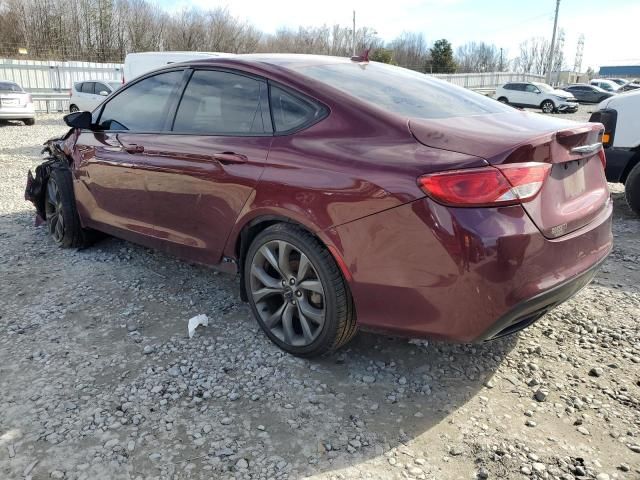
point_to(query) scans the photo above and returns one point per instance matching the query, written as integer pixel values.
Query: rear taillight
(486, 186)
(29, 98)
(603, 157)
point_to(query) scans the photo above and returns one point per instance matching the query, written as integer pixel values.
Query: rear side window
(510, 86)
(142, 107)
(87, 87)
(292, 112)
(401, 91)
(223, 103)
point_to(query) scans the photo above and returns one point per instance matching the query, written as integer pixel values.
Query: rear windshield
(10, 87)
(402, 91)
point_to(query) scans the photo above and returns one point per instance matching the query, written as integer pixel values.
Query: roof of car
(280, 59)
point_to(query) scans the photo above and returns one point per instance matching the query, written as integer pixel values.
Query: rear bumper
(17, 113)
(464, 274)
(528, 311)
(617, 161)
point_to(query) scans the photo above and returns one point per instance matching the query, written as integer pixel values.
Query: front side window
(223, 103)
(531, 89)
(100, 87)
(291, 112)
(142, 107)
(401, 91)
(87, 87)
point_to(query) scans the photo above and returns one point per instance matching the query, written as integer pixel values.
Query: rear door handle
(133, 148)
(227, 158)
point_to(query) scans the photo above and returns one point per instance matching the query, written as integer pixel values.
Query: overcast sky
(609, 26)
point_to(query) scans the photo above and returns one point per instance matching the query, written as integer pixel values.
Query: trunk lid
(12, 100)
(575, 191)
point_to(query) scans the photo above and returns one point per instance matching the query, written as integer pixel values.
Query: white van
(620, 116)
(136, 64)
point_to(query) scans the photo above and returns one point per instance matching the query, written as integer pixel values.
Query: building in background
(629, 71)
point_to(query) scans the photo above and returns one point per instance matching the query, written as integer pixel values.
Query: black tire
(29, 121)
(62, 217)
(503, 100)
(73, 108)
(632, 189)
(339, 324)
(547, 106)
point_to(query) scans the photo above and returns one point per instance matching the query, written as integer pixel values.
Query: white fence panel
(487, 79)
(53, 76)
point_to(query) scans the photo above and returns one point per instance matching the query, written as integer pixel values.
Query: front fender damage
(35, 191)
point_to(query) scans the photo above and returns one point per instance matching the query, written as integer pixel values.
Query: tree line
(106, 30)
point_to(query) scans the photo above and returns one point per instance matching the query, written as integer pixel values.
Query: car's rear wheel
(632, 189)
(297, 293)
(29, 121)
(73, 108)
(62, 218)
(547, 106)
(503, 100)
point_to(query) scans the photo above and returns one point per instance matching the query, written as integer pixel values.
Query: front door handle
(133, 148)
(227, 158)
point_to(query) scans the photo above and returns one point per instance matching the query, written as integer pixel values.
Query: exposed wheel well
(251, 231)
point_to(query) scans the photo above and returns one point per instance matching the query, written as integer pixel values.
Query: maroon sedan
(345, 193)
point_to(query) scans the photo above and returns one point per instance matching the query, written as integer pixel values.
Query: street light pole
(353, 34)
(553, 44)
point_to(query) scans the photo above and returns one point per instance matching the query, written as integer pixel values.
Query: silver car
(16, 104)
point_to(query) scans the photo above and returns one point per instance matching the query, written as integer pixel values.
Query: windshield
(402, 91)
(10, 87)
(544, 87)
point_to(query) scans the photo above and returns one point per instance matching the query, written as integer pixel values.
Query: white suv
(537, 95)
(87, 95)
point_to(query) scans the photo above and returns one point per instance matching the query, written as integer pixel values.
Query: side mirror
(104, 93)
(78, 120)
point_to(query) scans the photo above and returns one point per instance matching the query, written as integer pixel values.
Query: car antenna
(363, 57)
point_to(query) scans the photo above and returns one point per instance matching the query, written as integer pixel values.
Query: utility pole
(501, 67)
(353, 34)
(553, 43)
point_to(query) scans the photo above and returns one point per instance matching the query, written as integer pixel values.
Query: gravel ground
(99, 379)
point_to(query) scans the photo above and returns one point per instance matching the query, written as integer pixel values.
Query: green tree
(442, 57)
(381, 55)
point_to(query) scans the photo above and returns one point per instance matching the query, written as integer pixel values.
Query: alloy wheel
(53, 209)
(288, 293)
(547, 107)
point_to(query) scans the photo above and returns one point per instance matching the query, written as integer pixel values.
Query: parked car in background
(587, 93)
(620, 116)
(16, 104)
(87, 95)
(627, 87)
(136, 64)
(538, 95)
(344, 192)
(605, 84)
(619, 81)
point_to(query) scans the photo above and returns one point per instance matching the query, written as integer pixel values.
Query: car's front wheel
(74, 108)
(62, 218)
(29, 121)
(547, 106)
(297, 293)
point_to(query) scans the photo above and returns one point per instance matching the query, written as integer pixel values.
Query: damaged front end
(54, 148)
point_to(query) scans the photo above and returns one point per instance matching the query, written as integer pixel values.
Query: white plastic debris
(201, 319)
